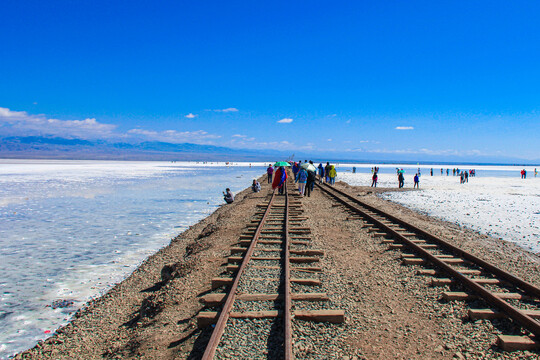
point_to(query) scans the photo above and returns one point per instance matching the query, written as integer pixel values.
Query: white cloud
(231, 109)
(191, 116)
(404, 128)
(285, 121)
(446, 152)
(173, 136)
(348, 121)
(23, 124)
(328, 139)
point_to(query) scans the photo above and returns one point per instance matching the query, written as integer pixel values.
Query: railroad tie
(489, 314)
(207, 318)
(462, 296)
(219, 298)
(516, 342)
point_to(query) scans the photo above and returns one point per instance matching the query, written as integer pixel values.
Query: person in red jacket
(279, 179)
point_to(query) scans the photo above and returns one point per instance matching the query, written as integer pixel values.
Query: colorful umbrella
(282, 163)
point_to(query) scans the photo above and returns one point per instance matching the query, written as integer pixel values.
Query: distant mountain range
(38, 147)
(41, 147)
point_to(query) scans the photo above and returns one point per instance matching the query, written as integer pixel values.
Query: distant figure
(401, 179)
(416, 181)
(462, 178)
(354, 169)
(535, 172)
(295, 169)
(332, 174)
(447, 172)
(441, 171)
(431, 171)
(256, 187)
(326, 171)
(301, 179)
(228, 196)
(321, 173)
(466, 176)
(270, 172)
(279, 180)
(311, 178)
(523, 174)
(374, 179)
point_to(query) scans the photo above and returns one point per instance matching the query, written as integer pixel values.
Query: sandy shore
(391, 312)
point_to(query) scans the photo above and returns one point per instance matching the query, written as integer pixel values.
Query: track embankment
(390, 311)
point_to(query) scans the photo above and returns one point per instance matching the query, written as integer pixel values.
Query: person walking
(311, 178)
(301, 179)
(416, 181)
(401, 179)
(270, 172)
(321, 173)
(332, 174)
(295, 169)
(327, 171)
(374, 179)
(279, 179)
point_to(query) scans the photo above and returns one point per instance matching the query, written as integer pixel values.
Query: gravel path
(391, 313)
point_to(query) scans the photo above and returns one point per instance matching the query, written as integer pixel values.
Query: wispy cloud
(173, 136)
(238, 138)
(22, 123)
(444, 152)
(404, 128)
(285, 121)
(348, 121)
(231, 109)
(191, 116)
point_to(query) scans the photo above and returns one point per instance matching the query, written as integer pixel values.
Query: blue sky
(358, 78)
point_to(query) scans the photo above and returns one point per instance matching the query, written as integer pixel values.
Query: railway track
(251, 306)
(504, 295)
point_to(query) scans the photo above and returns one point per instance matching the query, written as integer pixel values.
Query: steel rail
(527, 287)
(288, 312)
(227, 307)
(524, 320)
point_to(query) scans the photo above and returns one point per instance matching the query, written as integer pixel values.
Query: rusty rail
(288, 312)
(227, 307)
(520, 317)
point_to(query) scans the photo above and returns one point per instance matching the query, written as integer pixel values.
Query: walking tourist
(279, 179)
(301, 179)
(374, 179)
(270, 172)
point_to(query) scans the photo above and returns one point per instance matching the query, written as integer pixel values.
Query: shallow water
(69, 230)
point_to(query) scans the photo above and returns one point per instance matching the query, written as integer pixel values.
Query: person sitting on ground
(256, 187)
(228, 196)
